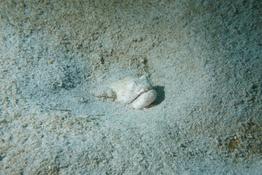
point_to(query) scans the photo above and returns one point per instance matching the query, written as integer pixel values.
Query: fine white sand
(203, 57)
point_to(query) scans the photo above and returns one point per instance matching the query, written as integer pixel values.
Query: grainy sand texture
(204, 59)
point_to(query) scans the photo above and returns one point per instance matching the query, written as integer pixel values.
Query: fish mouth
(141, 93)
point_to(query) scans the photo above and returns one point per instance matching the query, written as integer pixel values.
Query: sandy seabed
(203, 57)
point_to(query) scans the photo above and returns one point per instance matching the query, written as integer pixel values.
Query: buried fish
(133, 91)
